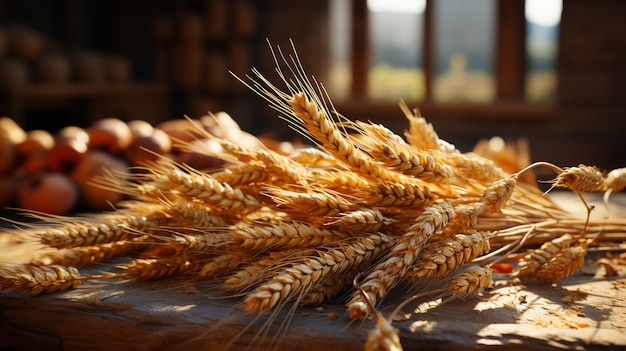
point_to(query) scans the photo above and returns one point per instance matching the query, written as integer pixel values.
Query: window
(542, 27)
(395, 50)
(464, 50)
(444, 51)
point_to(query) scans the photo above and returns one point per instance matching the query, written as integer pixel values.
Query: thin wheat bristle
(582, 178)
(402, 255)
(39, 279)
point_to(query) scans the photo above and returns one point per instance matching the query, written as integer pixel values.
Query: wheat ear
(195, 185)
(383, 337)
(39, 279)
(421, 134)
(497, 195)
(470, 281)
(395, 194)
(472, 167)
(87, 255)
(279, 166)
(157, 268)
(312, 203)
(447, 254)
(402, 255)
(532, 262)
(337, 144)
(365, 219)
(562, 265)
(298, 278)
(615, 181)
(196, 213)
(410, 161)
(582, 178)
(241, 175)
(288, 234)
(224, 263)
(261, 268)
(99, 229)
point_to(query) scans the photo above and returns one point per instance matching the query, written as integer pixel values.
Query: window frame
(510, 70)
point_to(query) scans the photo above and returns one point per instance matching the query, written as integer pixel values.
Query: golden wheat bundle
(299, 227)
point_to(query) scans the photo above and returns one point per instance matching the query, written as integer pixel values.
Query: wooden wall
(591, 124)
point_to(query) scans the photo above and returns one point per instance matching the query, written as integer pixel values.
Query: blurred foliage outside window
(464, 50)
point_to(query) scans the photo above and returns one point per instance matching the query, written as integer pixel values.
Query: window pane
(340, 22)
(464, 38)
(396, 49)
(542, 26)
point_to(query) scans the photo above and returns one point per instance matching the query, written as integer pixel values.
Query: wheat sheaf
(361, 208)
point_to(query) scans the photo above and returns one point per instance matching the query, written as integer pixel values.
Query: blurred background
(550, 72)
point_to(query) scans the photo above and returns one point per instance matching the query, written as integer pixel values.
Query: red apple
(53, 193)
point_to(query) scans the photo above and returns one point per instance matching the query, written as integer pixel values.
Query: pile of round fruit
(52, 172)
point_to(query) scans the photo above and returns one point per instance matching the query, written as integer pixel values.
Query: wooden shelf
(46, 91)
(126, 100)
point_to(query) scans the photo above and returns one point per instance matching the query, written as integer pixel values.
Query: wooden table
(586, 311)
